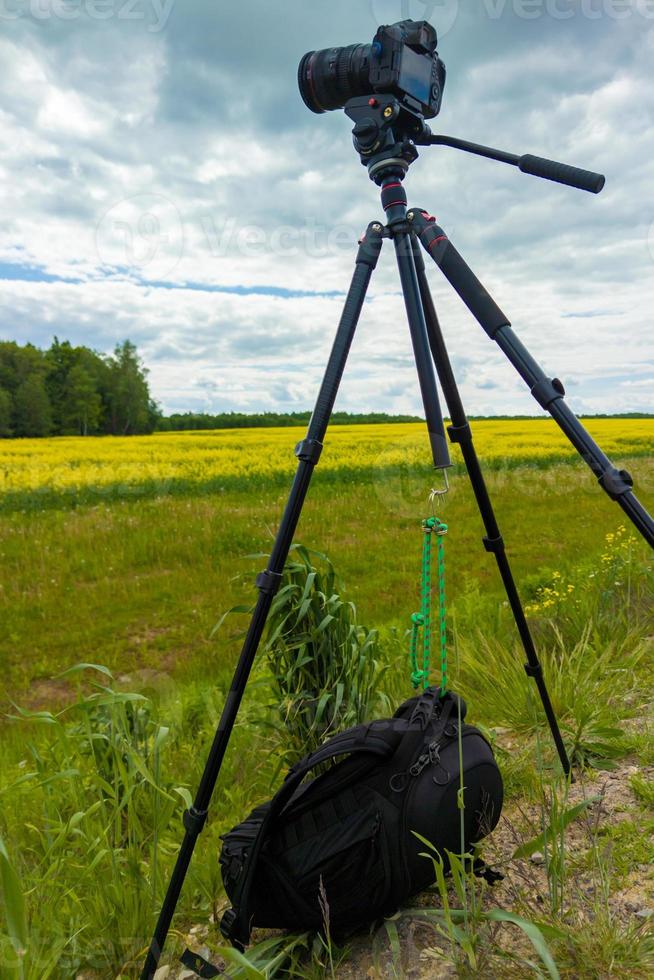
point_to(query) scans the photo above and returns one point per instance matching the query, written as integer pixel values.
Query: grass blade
(533, 934)
(13, 901)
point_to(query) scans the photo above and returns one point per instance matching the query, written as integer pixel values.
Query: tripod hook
(436, 496)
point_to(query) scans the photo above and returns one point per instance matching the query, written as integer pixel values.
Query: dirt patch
(48, 694)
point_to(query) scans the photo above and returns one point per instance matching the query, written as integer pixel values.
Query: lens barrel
(331, 77)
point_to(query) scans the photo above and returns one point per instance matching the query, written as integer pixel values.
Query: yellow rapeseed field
(71, 465)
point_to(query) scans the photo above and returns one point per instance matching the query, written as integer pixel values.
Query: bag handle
(379, 739)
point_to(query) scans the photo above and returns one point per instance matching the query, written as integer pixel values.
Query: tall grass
(326, 669)
(593, 627)
(91, 802)
(93, 807)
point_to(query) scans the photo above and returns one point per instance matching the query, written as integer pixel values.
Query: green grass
(643, 790)
(629, 845)
(140, 584)
(94, 782)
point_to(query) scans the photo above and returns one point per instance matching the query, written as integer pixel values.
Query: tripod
(387, 146)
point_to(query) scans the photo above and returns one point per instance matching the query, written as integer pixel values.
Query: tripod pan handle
(584, 180)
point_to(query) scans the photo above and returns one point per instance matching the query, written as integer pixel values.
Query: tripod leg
(461, 433)
(549, 393)
(394, 202)
(308, 453)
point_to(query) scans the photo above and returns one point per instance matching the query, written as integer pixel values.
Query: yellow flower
(107, 465)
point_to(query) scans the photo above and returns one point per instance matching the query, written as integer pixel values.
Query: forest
(69, 390)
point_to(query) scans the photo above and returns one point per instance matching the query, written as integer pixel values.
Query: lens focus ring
(329, 78)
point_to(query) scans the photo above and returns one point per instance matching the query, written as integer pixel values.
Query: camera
(402, 61)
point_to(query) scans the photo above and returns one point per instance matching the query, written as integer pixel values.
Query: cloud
(170, 186)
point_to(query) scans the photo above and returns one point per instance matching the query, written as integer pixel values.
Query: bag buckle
(227, 923)
(198, 965)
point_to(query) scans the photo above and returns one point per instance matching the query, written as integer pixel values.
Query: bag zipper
(412, 784)
(400, 781)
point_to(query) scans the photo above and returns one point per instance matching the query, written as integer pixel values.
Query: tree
(18, 363)
(82, 403)
(60, 360)
(5, 413)
(69, 390)
(129, 395)
(33, 416)
(155, 415)
(76, 383)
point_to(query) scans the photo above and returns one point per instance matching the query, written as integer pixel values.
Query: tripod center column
(394, 199)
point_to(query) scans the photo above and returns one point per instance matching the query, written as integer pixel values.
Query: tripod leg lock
(194, 821)
(461, 434)
(534, 670)
(616, 482)
(548, 391)
(494, 546)
(309, 451)
(269, 582)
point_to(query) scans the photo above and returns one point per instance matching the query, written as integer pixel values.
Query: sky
(161, 180)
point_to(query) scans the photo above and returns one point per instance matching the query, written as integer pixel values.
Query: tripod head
(387, 133)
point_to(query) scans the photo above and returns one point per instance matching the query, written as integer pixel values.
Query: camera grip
(584, 180)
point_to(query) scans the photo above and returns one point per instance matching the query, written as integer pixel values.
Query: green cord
(420, 675)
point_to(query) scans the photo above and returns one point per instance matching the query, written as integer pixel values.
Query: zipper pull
(419, 765)
(431, 757)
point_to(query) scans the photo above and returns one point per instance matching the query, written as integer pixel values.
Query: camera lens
(329, 78)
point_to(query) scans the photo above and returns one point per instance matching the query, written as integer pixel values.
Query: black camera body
(405, 63)
(401, 61)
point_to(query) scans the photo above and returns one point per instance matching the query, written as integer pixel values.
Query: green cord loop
(420, 675)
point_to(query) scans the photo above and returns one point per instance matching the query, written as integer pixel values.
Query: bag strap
(379, 739)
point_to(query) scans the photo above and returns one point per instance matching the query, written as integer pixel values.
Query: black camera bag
(352, 827)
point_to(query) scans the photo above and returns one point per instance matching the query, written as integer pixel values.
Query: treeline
(194, 421)
(68, 390)
(191, 421)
